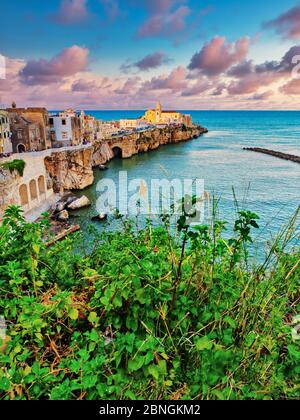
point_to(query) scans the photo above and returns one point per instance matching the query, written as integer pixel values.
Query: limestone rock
(63, 216)
(71, 170)
(80, 203)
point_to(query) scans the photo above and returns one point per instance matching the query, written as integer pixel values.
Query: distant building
(89, 127)
(5, 134)
(25, 135)
(38, 116)
(130, 124)
(105, 130)
(65, 129)
(160, 117)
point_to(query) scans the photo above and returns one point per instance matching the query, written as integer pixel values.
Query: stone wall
(9, 189)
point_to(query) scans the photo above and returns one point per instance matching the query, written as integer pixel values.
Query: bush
(146, 314)
(15, 165)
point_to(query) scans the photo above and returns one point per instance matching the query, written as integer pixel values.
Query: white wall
(63, 133)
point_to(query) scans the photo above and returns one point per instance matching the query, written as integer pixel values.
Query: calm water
(263, 184)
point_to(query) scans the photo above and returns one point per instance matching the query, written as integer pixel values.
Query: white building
(130, 124)
(5, 133)
(106, 130)
(65, 129)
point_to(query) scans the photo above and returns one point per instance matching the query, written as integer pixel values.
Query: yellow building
(158, 116)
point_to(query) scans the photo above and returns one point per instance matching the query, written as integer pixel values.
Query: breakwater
(280, 155)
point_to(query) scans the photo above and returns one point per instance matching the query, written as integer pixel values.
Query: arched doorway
(33, 190)
(23, 192)
(21, 148)
(41, 184)
(117, 151)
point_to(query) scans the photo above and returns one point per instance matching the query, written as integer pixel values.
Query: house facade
(65, 129)
(5, 133)
(25, 135)
(38, 116)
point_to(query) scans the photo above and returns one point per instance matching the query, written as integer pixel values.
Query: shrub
(15, 165)
(147, 314)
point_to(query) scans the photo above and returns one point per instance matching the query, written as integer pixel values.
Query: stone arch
(21, 148)
(117, 151)
(41, 184)
(33, 190)
(23, 192)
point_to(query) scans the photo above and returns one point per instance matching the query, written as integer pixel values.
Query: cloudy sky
(127, 54)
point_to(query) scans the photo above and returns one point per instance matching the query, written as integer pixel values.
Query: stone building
(65, 129)
(5, 134)
(160, 117)
(38, 116)
(25, 134)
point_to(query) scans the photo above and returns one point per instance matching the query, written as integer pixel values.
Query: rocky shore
(73, 169)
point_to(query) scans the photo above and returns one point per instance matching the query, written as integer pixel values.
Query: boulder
(59, 207)
(63, 216)
(100, 217)
(79, 203)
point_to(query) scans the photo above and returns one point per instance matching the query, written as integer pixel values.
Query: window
(20, 134)
(64, 135)
(63, 122)
(51, 121)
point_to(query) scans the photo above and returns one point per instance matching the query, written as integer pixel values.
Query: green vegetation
(15, 165)
(143, 313)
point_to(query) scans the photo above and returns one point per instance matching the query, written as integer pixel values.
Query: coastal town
(36, 129)
(44, 155)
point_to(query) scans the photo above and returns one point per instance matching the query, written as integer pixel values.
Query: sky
(128, 54)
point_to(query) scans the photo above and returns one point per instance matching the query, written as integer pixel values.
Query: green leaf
(73, 314)
(154, 371)
(136, 363)
(203, 343)
(93, 317)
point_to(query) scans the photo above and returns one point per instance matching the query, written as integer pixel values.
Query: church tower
(158, 112)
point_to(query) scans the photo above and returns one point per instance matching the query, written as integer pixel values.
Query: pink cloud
(175, 81)
(67, 63)
(262, 96)
(164, 20)
(202, 85)
(291, 88)
(150, 61)
(71, 12)
(287, 24)
(251, 83)
(129, 86)
(216, 57)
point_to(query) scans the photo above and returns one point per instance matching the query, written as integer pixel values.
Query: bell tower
(158, 112)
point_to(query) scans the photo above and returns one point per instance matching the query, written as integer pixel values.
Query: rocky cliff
(9, 189)
(71, 169)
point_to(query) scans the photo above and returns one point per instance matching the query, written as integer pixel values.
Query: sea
(263, 184)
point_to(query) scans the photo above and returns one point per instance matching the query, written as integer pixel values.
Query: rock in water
(59, 207)
(63, 216)
(100, 217)
(80, 203)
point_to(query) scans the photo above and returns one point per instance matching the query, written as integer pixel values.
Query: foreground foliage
(148, 314)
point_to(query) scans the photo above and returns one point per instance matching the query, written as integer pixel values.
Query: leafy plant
(147, 313)
(15, 165)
